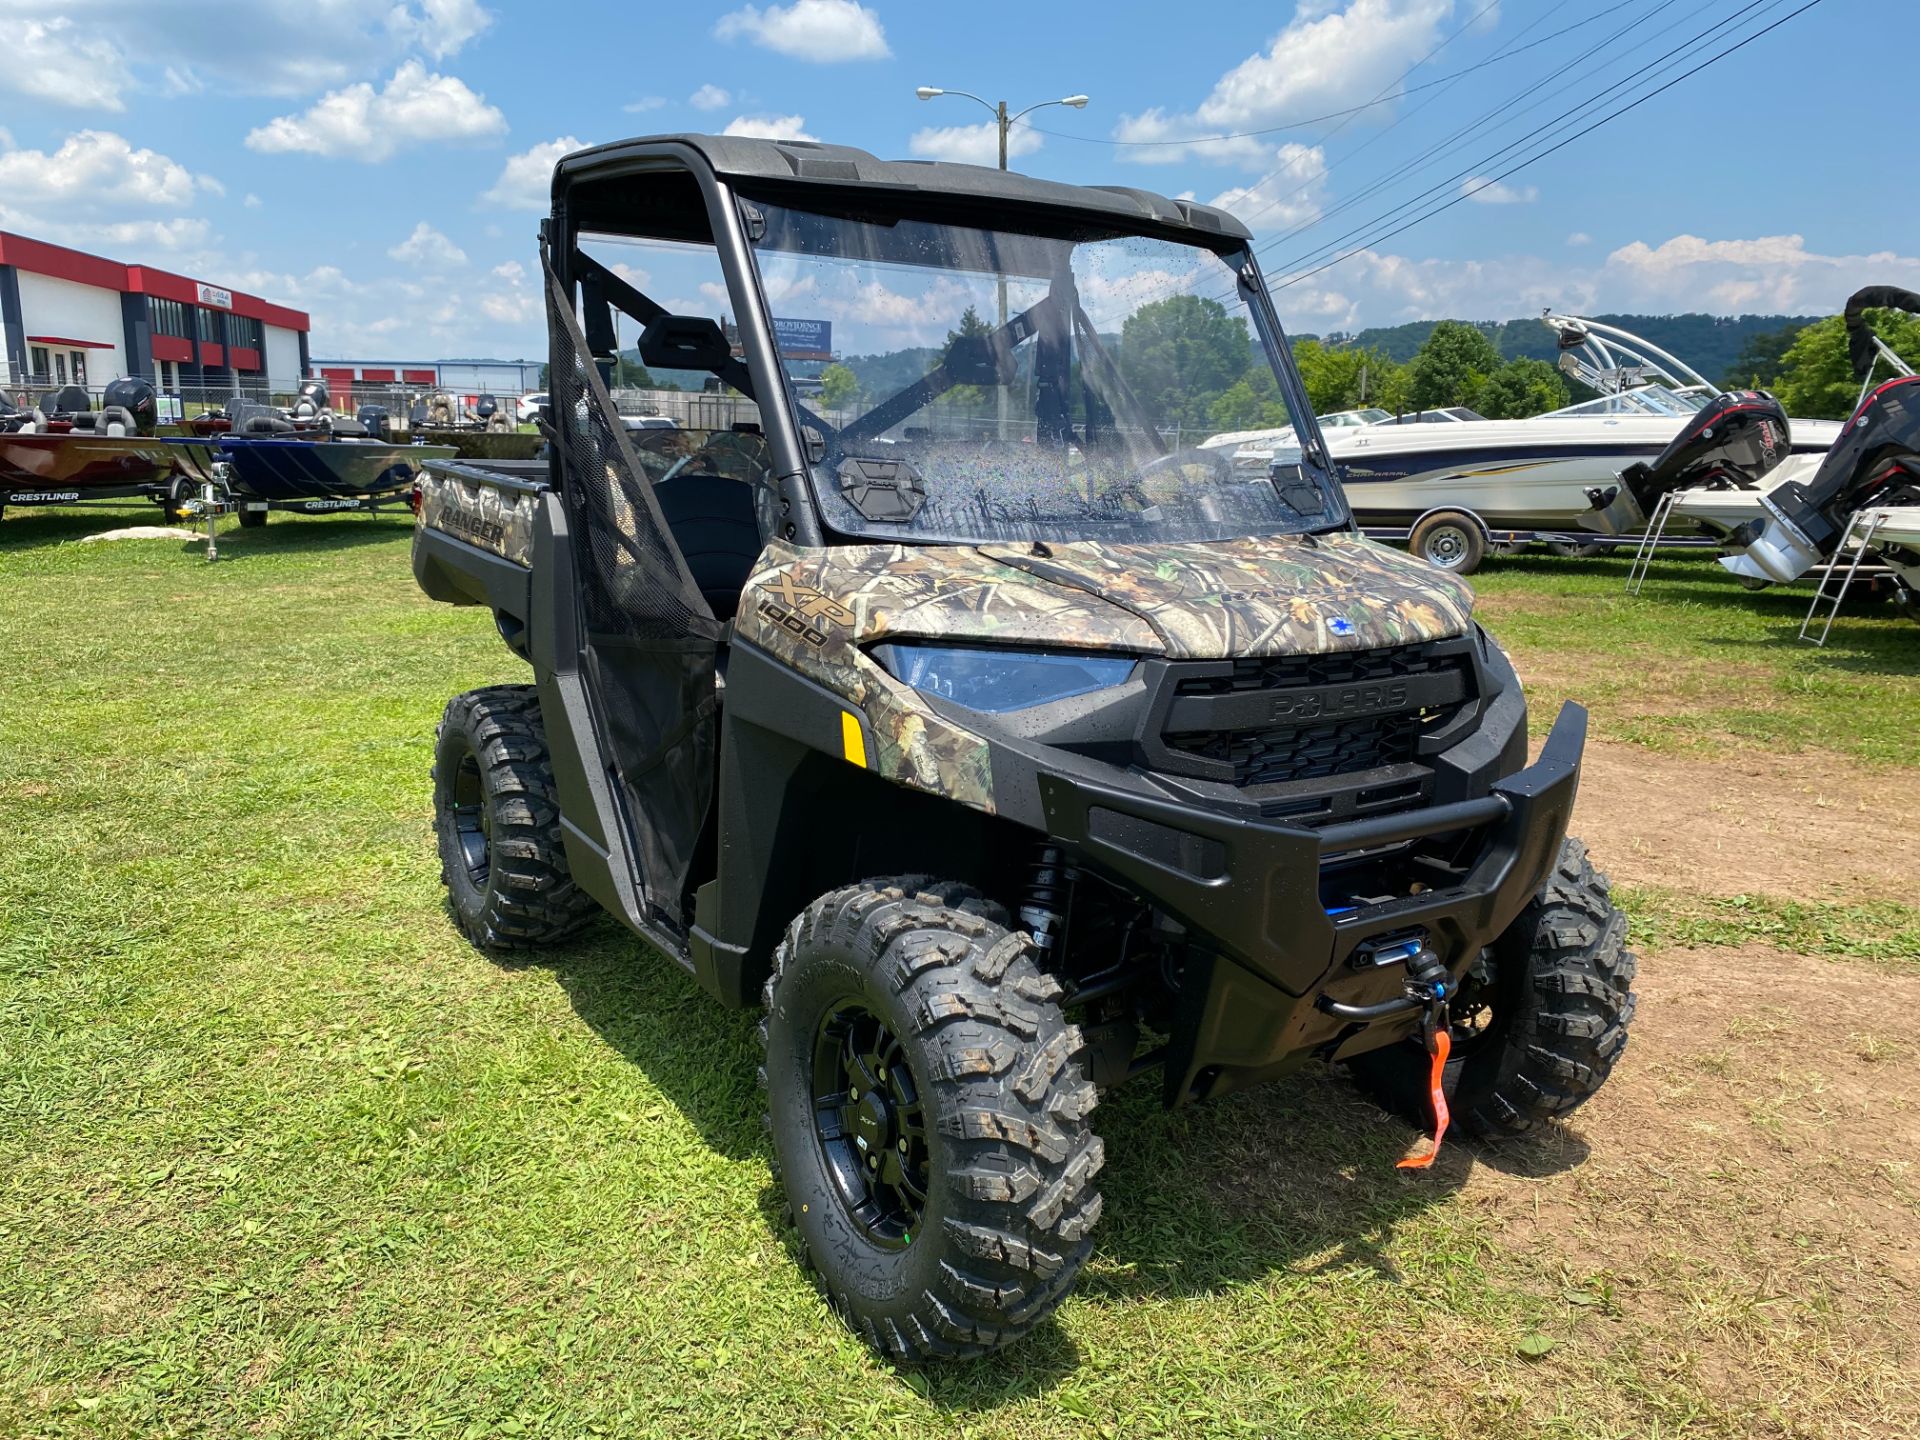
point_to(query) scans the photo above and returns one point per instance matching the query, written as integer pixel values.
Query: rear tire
(1450, 541)
(251, 519)
(947, 1211)
(1555, 1011)
(497, 821)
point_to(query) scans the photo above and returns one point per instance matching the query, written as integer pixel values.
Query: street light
(1001, 118)
(1004, 123)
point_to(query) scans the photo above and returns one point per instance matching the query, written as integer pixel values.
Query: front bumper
(1284, 956)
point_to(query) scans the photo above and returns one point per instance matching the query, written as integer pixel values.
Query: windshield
(1646, 400)
(976, 386)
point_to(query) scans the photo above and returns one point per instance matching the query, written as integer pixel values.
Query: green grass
(1884, 932)
(280, 1155)
(1695, 661)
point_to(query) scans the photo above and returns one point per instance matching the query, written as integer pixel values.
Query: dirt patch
(1802, 827)
(1724, 1240)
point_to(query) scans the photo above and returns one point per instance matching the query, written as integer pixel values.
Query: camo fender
(786, 610)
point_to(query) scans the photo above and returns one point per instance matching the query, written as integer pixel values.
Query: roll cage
(699, 189)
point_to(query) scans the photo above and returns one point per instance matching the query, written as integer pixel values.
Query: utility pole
(1003, 122)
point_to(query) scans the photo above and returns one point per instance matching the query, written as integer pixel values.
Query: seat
(712, 520)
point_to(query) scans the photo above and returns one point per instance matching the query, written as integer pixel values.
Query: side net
(651, 640)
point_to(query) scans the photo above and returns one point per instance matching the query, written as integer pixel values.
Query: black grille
(1288, 672)
(1315, 745)
(1309, 752)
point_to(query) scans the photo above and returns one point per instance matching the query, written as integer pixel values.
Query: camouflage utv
(999, 742)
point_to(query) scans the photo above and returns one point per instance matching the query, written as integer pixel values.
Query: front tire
(1536, 1034)
(928, 1108)
(496, 818)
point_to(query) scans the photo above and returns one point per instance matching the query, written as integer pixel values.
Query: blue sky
(381, 163)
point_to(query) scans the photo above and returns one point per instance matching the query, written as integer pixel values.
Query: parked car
(529, 409)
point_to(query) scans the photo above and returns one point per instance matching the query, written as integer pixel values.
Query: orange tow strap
(1442, 1042)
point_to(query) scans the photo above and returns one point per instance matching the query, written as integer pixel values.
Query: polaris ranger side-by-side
(998, 741)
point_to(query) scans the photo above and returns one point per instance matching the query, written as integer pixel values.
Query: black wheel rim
(1474, 1015)
(871, 1124)
(472, 825)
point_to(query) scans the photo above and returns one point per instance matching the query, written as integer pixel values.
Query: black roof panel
(789, 162)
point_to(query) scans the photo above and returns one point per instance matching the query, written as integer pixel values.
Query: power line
(1312, 120)
(1560, 145)
(1660, 63)
(1502, 112)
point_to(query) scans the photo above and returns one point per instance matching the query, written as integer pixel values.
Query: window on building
(209, 325)
(59, 367)
(42, 367)
(170, 318)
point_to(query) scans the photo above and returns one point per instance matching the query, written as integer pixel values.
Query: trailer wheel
(251, 519)
(1577, 549)
(1449, 540)
(928, 1107)
(497, 822)
(1538, 1027)
(173, 506)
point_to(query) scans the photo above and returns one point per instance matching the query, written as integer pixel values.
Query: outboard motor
(1876, 461)
(1733, 441)
(492, 418)
(137, 403)
(373, 419)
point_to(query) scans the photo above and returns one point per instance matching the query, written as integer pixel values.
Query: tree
(632, 375)
(1251, 403)
(964, 397)
(1181, 354)
(1758, 363)
(1337, 375)
(1521, 388)
(839, 387)
(1452, 366)
(1816, 380)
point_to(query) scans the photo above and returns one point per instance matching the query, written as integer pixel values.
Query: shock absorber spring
(1043, 907)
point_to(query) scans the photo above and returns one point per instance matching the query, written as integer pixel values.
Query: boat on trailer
(1458, 486)
(61, 452)
(311, 460)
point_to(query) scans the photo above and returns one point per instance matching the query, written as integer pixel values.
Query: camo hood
(1271, 595)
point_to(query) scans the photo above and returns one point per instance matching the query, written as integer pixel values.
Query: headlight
(1000, 680)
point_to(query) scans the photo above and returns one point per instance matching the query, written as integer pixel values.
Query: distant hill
(1709, 343)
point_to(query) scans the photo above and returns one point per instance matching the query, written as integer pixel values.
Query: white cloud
(439, 27)
(1484, 191)
(1579, 237)
(511, 271)
(57, 62)
(1290, 194)
(427, 248)
(252, 202)
(94, 172)
(94, 53)
(769, 127)
(644, 104)
(415, 108)
(818, 30)
(1325, 59)
(1769, 274)
(526, 180)
(710, 97)
(973, 144)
